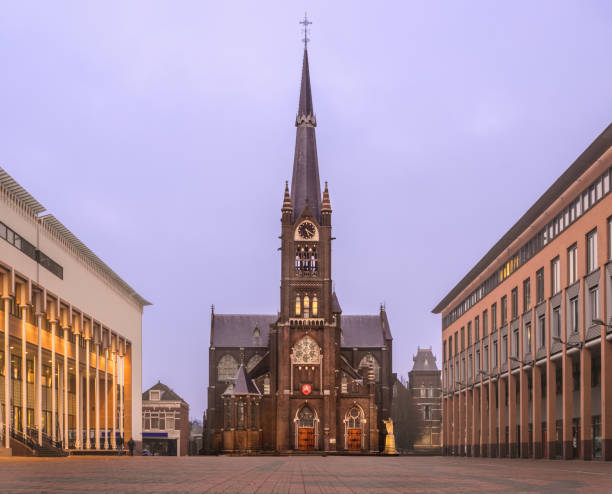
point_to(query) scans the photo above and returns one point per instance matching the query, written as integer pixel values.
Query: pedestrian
(131, 446)
(120, 445)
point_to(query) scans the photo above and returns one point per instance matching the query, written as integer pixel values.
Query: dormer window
(154, 395)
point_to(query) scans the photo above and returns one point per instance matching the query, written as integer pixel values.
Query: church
(308, 378)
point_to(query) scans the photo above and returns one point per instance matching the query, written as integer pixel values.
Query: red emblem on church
(306, 389)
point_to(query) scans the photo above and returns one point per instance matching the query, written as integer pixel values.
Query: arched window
(306, 418)
(365, 365)
(298, 305)
(353, 418)
(253, 361)
(306, 351)
(227, 368)
(306, 306)
(315, 306)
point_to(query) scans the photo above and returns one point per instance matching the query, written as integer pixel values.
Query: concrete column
(493, 447)
(60, 411)
(7, 374)
(501, 420)
(121, 384)
(475, 422)
(66, 385)
(77, 369)
(106, 438)
(484, 419)
(606, 396)
(536, 403)
(87, 394)
(512, 425)
(524, 413)
(39, 316)
(585, 405)
(444, 424)
(461, 423)
(454, 425)
(551, 407)
(468, 422)
(24, 375)
(606, 372)
(53, 388)
(568, 405)
(114, 402)
(97, 396)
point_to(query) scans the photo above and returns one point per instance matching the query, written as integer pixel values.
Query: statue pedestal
(390, 445)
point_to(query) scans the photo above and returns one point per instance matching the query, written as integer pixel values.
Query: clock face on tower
(307, 231)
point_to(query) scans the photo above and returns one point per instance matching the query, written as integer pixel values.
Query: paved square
(299, 474)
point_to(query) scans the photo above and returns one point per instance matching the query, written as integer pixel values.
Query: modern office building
(71, 334)
(526, 334)
(308, 377)
(165, 422)
(425, 385)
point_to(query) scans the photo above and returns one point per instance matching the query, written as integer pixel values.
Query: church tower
(306, 224)
(321, 379)
(307, 353)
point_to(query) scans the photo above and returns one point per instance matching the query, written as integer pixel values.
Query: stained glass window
(227, 368)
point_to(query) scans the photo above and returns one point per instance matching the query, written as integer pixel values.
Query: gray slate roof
(237, 330)
(424, 360)
(166, 393)
(362, 331)
(243, 385)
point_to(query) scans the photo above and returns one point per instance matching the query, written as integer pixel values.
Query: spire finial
(305, 23)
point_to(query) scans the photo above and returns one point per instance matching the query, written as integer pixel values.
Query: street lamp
(599, 322)
(568, 345)
(518, 361)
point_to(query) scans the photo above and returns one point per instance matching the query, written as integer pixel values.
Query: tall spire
(305, 184)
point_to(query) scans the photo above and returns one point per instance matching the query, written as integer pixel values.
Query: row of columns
(59, 411)
(471, 419)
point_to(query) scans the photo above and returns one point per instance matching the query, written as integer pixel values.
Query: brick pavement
(299, 474)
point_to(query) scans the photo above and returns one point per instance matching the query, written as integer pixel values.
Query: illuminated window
(306, 306)
(298, 306)
(344, 388)
(266, 385)
(306, 351)
(315, 306)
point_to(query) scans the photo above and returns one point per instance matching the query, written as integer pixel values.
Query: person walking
(120, 445)
(131, 446)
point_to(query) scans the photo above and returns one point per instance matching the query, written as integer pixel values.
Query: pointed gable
(243, 385)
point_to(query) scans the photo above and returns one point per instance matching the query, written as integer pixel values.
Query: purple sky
(161, 134)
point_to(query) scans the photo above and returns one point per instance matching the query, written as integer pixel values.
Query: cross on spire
(305, 23)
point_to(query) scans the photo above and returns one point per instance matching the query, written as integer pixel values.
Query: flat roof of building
(10, 184)
(597, 148)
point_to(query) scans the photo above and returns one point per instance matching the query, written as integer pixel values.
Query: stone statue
(389, 439)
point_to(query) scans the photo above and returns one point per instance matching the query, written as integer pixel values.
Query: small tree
(407, 417)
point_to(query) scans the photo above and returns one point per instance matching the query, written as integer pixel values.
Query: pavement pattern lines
(299, 474)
